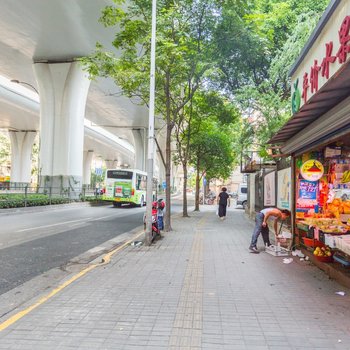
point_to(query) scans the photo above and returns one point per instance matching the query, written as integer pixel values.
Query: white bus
(125, 186)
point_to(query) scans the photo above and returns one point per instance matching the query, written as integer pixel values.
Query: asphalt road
(33, 243)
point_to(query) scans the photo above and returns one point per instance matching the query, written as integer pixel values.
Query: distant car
(242, 195)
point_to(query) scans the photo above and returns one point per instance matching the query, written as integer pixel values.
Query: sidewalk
(197, 288)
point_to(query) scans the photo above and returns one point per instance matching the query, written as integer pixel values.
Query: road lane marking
(105, 260)
(69, 222)
(59, 223)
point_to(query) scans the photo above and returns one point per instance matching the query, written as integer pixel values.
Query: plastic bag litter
(298, 253)
(287, 260)
(136, 243)
(340, 293)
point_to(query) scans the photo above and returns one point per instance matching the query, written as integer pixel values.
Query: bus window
(119, 174)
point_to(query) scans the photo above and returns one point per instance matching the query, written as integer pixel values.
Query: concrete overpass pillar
(21, 150)
(63, 89)
(87, 167)
(140, 149)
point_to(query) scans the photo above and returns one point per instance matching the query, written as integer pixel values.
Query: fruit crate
(327, 259)
(302, 226)
(312, 243)
(277, 250)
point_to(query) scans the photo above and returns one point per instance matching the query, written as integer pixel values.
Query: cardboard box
(329, 240)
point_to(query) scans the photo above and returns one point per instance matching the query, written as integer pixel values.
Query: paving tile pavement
(197, 288)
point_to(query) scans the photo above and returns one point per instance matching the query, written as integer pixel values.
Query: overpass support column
(63, 89)
(21, 150)
(87, 167)
(140, 151)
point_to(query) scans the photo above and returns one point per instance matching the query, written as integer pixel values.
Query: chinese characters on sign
(344, 39)
(327, 60)
(311, 78)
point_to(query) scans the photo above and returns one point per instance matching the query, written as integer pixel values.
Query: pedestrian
(262, 227)
(223, 201)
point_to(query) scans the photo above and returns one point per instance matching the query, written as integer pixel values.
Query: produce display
(322, 201)
(337, 207)
(322, 252)
(327, 225)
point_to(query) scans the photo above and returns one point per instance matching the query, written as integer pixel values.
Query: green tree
(185, 52)
(5, 148)
(211, 153)
(205, 108)
(254, 62)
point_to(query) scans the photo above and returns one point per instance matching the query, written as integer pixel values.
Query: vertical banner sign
(284, 189)
(307, 194)
(308, 189)
(269, 189)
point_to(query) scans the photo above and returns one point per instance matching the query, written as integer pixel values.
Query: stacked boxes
(342, 242)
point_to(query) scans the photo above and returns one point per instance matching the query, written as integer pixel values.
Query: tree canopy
(225, 61)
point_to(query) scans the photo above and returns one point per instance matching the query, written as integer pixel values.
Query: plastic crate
(313, 243)
(277, 250)
(341, 259)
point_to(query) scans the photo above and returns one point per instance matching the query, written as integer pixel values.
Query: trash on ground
(136, 243)
(339, 340)
(306, 258)
(340, 293)
(298, 253)
(287, 260)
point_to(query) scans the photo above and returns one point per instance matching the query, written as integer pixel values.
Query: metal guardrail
(23, 195)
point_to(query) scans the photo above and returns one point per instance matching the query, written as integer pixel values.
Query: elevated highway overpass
(40, 41)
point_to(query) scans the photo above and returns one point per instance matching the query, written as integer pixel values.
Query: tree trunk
(196, 203)
(184, 204)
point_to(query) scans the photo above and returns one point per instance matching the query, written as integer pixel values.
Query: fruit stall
(317, 138)
(322, 202)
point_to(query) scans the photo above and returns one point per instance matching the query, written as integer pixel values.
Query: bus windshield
(119, 174)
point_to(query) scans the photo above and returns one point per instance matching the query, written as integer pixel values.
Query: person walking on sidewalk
(262, 227)
(223, 201)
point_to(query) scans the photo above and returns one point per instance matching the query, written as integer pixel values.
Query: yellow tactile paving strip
(187, 328)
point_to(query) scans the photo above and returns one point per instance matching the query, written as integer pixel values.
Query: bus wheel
(116, 205)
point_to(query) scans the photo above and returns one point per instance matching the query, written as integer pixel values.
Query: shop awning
(331, 94)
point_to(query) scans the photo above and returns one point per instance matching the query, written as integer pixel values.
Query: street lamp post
(149, 199)
(16, 81)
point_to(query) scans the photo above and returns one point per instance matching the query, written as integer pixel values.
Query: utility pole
(150, 160)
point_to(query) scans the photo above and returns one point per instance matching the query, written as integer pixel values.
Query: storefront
(322, 200)
(317, 138)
